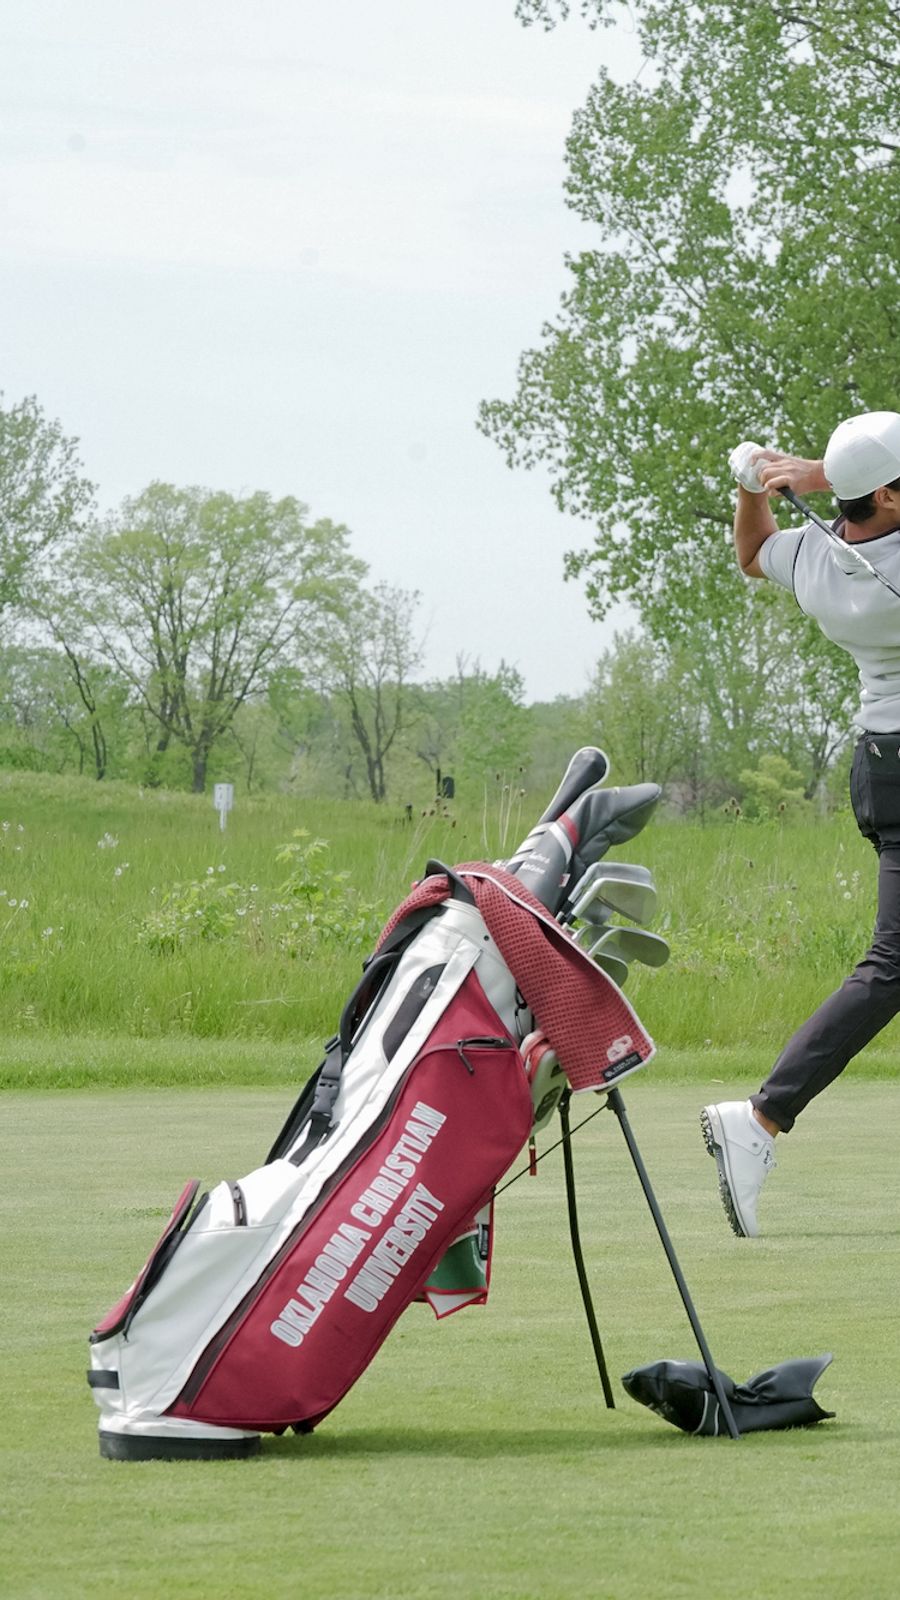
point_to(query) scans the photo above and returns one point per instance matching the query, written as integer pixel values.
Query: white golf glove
(744, 468)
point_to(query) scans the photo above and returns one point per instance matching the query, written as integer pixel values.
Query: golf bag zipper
(477, 1042)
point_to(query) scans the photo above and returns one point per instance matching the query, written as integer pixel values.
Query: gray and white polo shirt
(851, 607)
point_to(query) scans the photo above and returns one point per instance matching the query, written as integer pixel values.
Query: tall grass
(763, 919)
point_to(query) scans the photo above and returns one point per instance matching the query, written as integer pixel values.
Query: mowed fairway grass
(474, 1458)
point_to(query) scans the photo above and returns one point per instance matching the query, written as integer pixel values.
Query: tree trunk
(201, 757)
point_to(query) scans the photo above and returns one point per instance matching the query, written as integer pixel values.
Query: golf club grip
(587, 767)
(806, 511)
(795, 501)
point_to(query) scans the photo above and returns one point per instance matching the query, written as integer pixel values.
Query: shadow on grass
(468, 1443)
(835, 1233)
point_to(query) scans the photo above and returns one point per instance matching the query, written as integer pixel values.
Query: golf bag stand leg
(615, 1104)
(575, 1235)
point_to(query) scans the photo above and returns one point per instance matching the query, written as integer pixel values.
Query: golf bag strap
(459, 889)
(316, 1099)
(378, 972)
(328, 1084)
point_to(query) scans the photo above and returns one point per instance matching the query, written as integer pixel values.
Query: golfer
(859, 608)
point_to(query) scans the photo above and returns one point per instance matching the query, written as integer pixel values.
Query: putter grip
(587, 767)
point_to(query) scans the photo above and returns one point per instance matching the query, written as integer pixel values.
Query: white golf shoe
(745, 1155)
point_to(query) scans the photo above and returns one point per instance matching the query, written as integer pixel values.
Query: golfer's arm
(753, 525)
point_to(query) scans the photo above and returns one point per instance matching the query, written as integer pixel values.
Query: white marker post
(223, 800)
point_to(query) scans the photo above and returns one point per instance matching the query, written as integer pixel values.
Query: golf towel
(589, 1023)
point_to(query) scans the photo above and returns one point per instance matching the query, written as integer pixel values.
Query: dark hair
(864, 507)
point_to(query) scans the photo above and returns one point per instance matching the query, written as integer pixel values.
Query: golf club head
(585, 905)
(613, 967)
(619, 890)
(631, 944)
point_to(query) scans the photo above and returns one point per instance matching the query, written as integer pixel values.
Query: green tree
(774, 790)
(746, 190)
(367, 660)
(196, 596)
(649, 720)
(54, 718)
(473, 725)
(312, 733)
(493, 726)
(44, 496)
(556, 728)
(698, 715)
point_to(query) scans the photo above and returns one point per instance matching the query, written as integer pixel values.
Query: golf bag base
(170, 1439)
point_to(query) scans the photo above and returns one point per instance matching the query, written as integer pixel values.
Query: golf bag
(265, 1299)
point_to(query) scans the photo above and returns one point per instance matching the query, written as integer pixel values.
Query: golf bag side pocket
(120, 1316)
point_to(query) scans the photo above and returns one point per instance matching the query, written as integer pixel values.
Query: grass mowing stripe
(59, 1061)
(51, 1061)
(474, 1457)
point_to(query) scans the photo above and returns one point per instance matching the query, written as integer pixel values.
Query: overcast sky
(290, 246)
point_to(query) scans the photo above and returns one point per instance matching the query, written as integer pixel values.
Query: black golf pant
(868, 998)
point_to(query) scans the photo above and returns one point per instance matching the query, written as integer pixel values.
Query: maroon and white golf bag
(265, 1299)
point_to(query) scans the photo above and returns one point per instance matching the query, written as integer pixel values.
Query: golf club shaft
(819, 522)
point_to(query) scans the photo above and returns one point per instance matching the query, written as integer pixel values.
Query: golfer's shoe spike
(744, 1155)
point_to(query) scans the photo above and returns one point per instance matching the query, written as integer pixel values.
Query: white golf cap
(863, 453)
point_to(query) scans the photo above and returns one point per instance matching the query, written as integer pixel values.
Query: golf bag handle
(587, 767)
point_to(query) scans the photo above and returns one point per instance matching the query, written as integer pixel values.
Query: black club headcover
(682, 1393)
